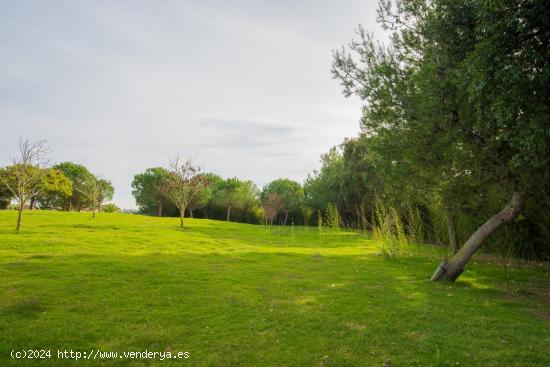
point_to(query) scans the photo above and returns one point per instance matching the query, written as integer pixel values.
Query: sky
(242, 87)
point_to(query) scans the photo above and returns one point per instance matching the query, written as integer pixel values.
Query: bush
(110, 208)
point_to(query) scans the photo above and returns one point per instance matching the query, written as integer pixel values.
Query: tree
(91, 190)
(147, 191)
(24, 177)
(106, 192)
(290, 191)
(183, 184)
(78, 175)
(228, 194)
(55, 189)
(456, 104)
(272, 203)
(5, 194)
(203, 197)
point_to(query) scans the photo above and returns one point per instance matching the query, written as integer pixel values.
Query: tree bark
(228, 213)
(31, 205)
(453, 269)
(19, 214)
(93, 210)
(286, 217)
(451, 229)
(191, 212)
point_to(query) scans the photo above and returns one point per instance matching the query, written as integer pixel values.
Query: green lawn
(242, 295)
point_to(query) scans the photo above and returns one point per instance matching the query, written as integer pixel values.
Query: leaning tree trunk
(31, 205)
(191, 212)
(19, 214)
(451, 229)
(228, 213)
(453, 269)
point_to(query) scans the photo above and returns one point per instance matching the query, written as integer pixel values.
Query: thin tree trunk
(93, 210)
(191, 212)
(31, 205)
(286, 217)
(228, 213)
(451, 229)
(159, 208)
(453, 269)
(182, 214)
(19, 215)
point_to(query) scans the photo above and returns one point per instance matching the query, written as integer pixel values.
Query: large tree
(78, 174)
(55, 188)
(147, 191)
(457, 103)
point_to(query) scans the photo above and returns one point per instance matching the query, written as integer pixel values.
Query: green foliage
(110, 208)
(78, 175)
(146, 191)
(332, 218)
(291, 193)
(56, 189)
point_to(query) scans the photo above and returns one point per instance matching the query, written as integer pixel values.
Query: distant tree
(290, 191)
(183, 184)
(228, 194)
(147, 191)
(272, 203)
(78, 175)
(55, 188)
(203, 197)
(5, 194)
(24, 177)
(91, 190)
(106, 192)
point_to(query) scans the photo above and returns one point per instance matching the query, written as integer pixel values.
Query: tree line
(31, 182)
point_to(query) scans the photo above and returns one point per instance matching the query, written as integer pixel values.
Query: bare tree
(272, 204)
(25, 175)
(91, 189)
(183, 184)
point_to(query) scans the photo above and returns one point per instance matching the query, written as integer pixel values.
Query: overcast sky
(243, 87)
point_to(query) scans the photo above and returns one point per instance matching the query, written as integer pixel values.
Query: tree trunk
(19, 214)
(182, 214)
(453, 269)
(286, 217)
(191, 212)
(451, 229)
(31, 205)
(93, 210)
(228, 213)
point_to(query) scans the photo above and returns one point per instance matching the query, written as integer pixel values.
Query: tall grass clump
(388, 230)
(332, 219)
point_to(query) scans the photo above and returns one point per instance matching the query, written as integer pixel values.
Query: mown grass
(241, 295)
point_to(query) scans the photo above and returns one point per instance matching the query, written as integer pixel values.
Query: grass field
(241, 295)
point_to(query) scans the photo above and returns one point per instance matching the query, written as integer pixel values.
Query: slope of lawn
(242, 295)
